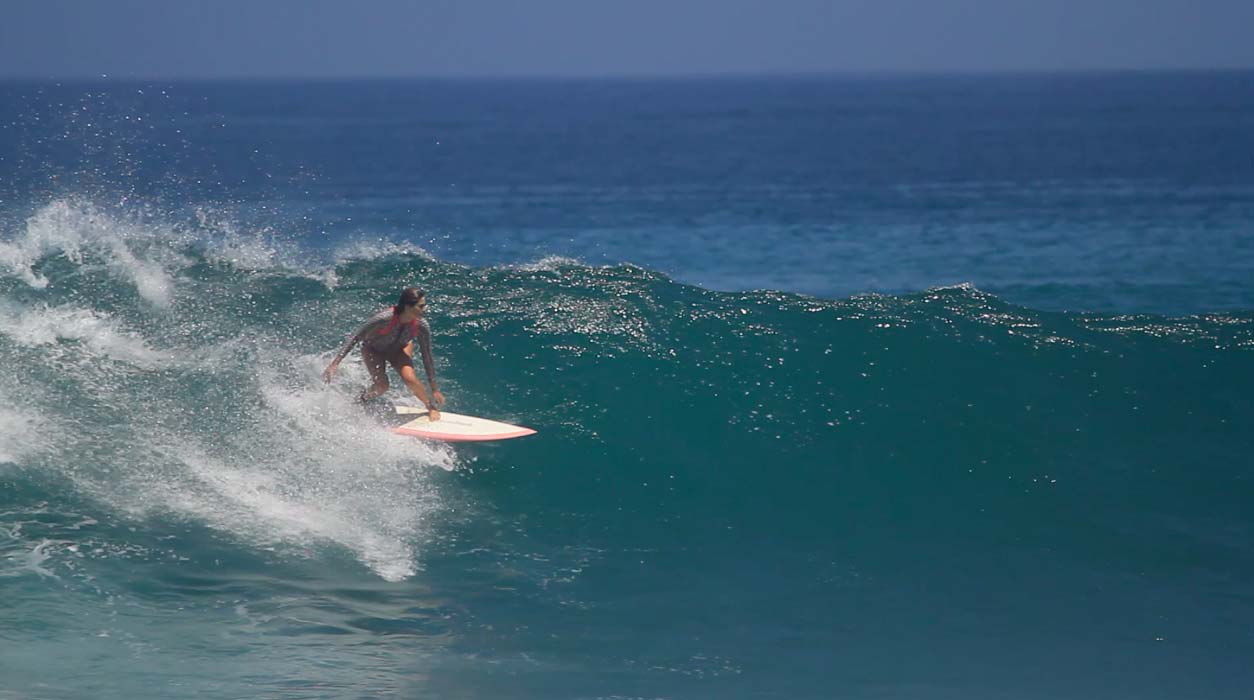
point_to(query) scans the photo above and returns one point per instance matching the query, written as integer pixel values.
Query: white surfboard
(454, 427)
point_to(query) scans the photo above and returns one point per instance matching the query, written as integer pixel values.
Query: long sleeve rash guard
(373, 337)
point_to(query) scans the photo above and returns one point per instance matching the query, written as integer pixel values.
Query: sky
(484, 38)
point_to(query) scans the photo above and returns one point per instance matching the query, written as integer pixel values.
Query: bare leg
(373, 391)
(378, 372)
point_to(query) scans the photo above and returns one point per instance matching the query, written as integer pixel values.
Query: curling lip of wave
(75, 230)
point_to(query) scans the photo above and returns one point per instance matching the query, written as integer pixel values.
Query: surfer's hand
(329, 373)
(433, 415)
(438, 397)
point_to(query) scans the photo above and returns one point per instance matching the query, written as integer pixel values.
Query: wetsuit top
(381, 336)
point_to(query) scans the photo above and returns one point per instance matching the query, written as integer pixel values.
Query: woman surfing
(388, 338)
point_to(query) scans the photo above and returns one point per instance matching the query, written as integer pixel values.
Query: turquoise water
(750, 480)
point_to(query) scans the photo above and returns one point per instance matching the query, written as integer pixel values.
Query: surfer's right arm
(346, 348)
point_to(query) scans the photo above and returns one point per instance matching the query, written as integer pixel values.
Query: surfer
(388, 338)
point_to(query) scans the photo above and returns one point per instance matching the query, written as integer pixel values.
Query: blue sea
(845, 387)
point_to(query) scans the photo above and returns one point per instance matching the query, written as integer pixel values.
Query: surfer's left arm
(423, 338)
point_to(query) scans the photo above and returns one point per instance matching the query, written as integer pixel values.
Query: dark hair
(409, 297)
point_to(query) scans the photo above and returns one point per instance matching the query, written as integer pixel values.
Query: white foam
(309, 470)
(226, 244)
(31, 561)
(257, 251)
(42, 325)
(269, 510)
(287, 462)
(72, 229)
(152, 282)
(550, 263)
(22, 432)
(373, 250)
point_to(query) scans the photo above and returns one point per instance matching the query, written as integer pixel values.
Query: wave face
(729, 492)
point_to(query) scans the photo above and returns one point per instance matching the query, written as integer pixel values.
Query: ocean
(845, 387)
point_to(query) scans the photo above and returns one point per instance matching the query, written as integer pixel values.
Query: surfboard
(454, 427)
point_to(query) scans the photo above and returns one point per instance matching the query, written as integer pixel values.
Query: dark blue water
(1110, 193)
(896, 387)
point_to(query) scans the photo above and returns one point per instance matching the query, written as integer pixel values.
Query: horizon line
(728, 75)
